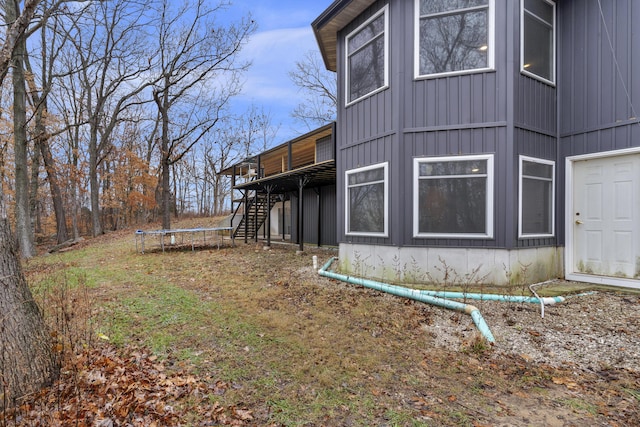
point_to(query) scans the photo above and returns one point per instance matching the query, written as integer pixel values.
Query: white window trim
(416, 46)
(523, 70)
(384, 233)
(384, 10)
(521, 234)
(489, 204)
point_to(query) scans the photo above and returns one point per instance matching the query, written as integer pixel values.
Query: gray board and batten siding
(598, 81)
(498, 111)
(599, 64)
(317, 220)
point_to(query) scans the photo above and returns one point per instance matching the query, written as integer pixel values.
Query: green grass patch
(580, 405)
(634, 393)
(159, 317)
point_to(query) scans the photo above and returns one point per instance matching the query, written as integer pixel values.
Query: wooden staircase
(250, 223)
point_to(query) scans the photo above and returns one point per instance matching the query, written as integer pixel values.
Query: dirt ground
(587, 347)
(279, 345)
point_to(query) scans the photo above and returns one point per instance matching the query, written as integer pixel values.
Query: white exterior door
(604, 219)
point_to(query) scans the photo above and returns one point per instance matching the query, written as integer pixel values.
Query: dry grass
(299, 349)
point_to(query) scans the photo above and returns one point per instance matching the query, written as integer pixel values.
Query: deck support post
(255, 217)
(302, 181)
(269, 189)
(319, 199)
(246, 215)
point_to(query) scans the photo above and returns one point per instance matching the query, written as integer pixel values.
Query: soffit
(333, 19)
(315, 175)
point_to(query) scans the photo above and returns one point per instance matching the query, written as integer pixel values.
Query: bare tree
(25, 199)
(114, 63)
(52, 37)
(239, 137)
(24, 229)
(193, 51)
(220, 151)
(71, 110)
(27, 361)
(15, 29)
(319, 91)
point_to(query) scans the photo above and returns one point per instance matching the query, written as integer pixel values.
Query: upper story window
(453, 36)
(538, 39)
(453, 197)
(366, 60)
(367, 202)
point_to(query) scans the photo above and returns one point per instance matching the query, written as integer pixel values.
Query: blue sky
(284, 35)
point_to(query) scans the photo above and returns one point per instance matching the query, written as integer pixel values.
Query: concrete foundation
(451, 265)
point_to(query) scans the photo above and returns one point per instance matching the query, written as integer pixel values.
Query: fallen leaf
(244, 414)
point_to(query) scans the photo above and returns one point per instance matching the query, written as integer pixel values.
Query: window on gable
(453, 36)
(366, 201)
(536, 197)
(453, 197)
(538, 57)
(367, 57)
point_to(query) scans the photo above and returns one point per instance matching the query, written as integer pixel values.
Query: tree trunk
(94, 185)
(41, 143)
(24, 230)
(54, 186)
(74, 161)
(34, 188)
(166, 193)
(161, 99)
(27, 360)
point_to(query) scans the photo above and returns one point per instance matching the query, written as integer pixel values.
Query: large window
(453, 197)
(367, 200)
(536, 197)
(538, 52)
(453, 36)
(367, 57)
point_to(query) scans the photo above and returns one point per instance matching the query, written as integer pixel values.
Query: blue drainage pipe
(416, 295)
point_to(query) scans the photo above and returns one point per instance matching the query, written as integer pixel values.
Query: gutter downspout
(416, 295)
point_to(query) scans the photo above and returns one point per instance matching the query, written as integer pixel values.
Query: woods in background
(116, 114)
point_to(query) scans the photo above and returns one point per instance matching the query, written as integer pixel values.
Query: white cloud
(284, 36)
(273, 55)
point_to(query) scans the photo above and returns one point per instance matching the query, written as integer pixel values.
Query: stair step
(257, 209)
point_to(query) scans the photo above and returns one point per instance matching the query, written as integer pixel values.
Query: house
(288, 192)
(492, 140)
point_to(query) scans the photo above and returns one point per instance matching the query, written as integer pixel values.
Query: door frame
(568, 222)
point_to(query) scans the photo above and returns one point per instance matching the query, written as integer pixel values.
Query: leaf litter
(108, 386)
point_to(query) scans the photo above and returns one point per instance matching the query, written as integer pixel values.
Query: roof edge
(333, 9)
(320, 23)
(333, 19)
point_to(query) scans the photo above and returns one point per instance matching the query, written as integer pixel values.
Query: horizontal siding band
(456, 127)
(366, 140)
(535, 129)
(632, 121)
